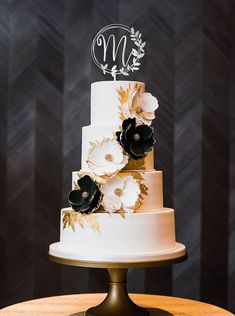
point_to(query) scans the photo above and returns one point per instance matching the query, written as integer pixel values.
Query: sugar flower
(136, 140)
(87, 197)
(120, 194)
(106, 158)
(141, 106)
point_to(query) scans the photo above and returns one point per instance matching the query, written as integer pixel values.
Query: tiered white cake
(117, 208)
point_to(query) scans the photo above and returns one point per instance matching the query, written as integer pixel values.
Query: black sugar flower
(86, 199)
(135, 140)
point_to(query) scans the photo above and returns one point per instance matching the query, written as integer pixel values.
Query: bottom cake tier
(103, 235)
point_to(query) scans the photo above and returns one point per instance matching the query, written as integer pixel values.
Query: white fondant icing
(105, 103)
(58, 250)
(136, 233)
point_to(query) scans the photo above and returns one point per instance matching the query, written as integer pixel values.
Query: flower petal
(144, 131)
(148, 115)
(130, 182)
(137, 150)
(148, 145)
(111, 203)
(117, 152)
(97, 153)
(84, 181)
(129, 198)
(128, 209)
(75, 197)
(127, 123)
(112, 184)
(148, 102)
(130, 193)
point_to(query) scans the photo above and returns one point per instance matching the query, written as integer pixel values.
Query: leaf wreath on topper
(120, 62)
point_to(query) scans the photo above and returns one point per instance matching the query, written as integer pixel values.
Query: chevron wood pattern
(20, 152)
(49, 85)
(188, 130)
(215, 172)
(45, 76)
(4, 78)
(76, 109)
(159, 76)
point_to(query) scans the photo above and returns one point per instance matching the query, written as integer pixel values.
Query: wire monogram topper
(119, 53)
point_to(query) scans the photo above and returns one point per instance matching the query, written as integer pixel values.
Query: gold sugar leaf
(73, 226)
(137, 87)
(138, 204)
(81, 224)
(143, 189)
(122, 116)
(135, 164)
(123, 94)
(138, 176)
(124, 174)
(93, 222)
(64, 225)
(122, 213)
(72, 217)
(92, 143)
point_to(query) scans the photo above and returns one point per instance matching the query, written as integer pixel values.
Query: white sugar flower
(141, 106)
(120, 193)
(106, 158)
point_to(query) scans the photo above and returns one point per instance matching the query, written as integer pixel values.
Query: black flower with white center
(86, 199)
(136, 140)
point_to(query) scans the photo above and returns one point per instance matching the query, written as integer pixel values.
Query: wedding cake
(116, 204)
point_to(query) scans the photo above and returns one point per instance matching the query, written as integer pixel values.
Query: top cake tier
(105, 101)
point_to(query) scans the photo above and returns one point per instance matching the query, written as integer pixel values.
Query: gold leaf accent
(123, 94)
(143, 189)
(72, 217)
(121, 115)
(138, 176)
(135, 164)
(122, 213)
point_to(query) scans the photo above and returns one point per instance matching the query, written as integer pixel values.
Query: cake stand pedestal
(117, 302)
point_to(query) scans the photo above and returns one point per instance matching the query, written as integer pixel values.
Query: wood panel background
(45, 76)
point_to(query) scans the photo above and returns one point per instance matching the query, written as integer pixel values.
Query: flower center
(85, 194)
(136, 137)
(139, 110)
(108, 157)
(118, 191)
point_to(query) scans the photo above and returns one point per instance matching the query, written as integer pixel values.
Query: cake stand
(117, 301)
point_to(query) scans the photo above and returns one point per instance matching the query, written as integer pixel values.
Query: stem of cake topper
(129, 61)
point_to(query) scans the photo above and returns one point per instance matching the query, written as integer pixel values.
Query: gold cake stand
(117, 301)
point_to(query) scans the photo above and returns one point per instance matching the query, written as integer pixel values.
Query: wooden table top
(69, 304)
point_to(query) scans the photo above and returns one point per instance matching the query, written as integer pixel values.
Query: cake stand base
(152, 312)
(117, 301)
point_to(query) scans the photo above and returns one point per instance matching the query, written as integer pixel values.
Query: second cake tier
(152, 181)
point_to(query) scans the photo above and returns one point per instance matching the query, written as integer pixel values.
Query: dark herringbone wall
(45, 76)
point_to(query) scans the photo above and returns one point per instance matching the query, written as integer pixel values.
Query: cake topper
(117, 49)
